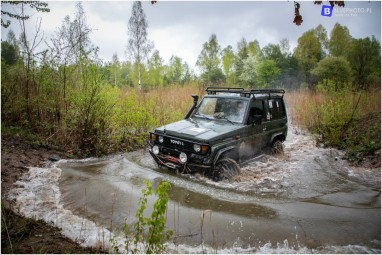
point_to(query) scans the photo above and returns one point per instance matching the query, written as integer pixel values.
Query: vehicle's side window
(257, 108)
(276, 108)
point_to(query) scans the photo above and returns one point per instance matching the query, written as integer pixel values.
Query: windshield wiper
(220, 115)
(224, 117)
(203, 116)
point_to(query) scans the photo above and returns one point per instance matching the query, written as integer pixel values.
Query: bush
(149, 234)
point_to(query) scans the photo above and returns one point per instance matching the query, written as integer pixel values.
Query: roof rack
(244, 93)
(268, 92)
(213, 90)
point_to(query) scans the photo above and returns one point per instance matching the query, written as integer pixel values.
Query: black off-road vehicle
(227, 128)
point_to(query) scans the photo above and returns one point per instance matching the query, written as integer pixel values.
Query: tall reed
(345, 119)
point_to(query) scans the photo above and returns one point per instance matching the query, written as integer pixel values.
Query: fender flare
(221, 152)
(276, 135)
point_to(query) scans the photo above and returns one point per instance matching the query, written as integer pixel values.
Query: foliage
(138, 44)
(340, 117)
(254, 49)
(308, 53)
(249, 72)
(267, 74)
(365, 59)
(340, 39)
(209, 62)
(10, 50)
(37, 5)
(155, 70)
(149, 234)
(241, 55)
(259, 73)
(336, 69)
(228, 60)
(157, 233)
(68, 98)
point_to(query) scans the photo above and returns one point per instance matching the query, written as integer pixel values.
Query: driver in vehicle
(239, 112)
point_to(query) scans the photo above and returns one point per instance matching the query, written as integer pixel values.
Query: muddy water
(308, 200)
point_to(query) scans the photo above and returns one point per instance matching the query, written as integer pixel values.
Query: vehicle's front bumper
(174, 163)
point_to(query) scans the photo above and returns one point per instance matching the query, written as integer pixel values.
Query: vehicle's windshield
(222, 108)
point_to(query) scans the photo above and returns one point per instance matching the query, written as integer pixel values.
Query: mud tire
(277, 148)
(225, 169)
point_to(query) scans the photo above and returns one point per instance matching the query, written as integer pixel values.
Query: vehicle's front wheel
(225, 169)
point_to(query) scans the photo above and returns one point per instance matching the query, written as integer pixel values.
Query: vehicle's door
(253, 142)
(276, 120)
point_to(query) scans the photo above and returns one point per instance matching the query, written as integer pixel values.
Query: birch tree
(138, 44)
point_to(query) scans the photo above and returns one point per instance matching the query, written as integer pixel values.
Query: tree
(267, 73)
(69, 47)
(284, 46)
(37, 5)
(242, 54)
(228, 60)
(253, 48)
(10, 56)
(114, 69)
(28, 52)
(365, 60)
(138, 43)
(279, 53)
(155, 69)
(187, 74)
(309, 51)
(209, 61)
(273, 52)
(336, 69)
(249, 71)
(339, 42)
(174, 72)
(9, 49)
(322, 36)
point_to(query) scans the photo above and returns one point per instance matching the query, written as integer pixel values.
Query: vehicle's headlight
(196, 147)
(160, 139)
(155, 150)
(183, 157)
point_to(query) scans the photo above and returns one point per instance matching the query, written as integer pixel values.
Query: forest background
(66, 97)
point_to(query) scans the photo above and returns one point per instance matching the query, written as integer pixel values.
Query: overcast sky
(180, 28)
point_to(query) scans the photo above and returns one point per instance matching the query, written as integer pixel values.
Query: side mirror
(257, 119)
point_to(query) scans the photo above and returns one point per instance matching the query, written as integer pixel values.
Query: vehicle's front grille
(178, 144)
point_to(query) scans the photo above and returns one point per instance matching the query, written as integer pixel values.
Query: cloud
(181, 27)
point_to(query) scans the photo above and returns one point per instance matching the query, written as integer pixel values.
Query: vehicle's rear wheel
(225, 169)
(277, 148)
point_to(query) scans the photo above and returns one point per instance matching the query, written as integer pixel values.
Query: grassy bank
(119, 119)
(343, 119)
(114, 119)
